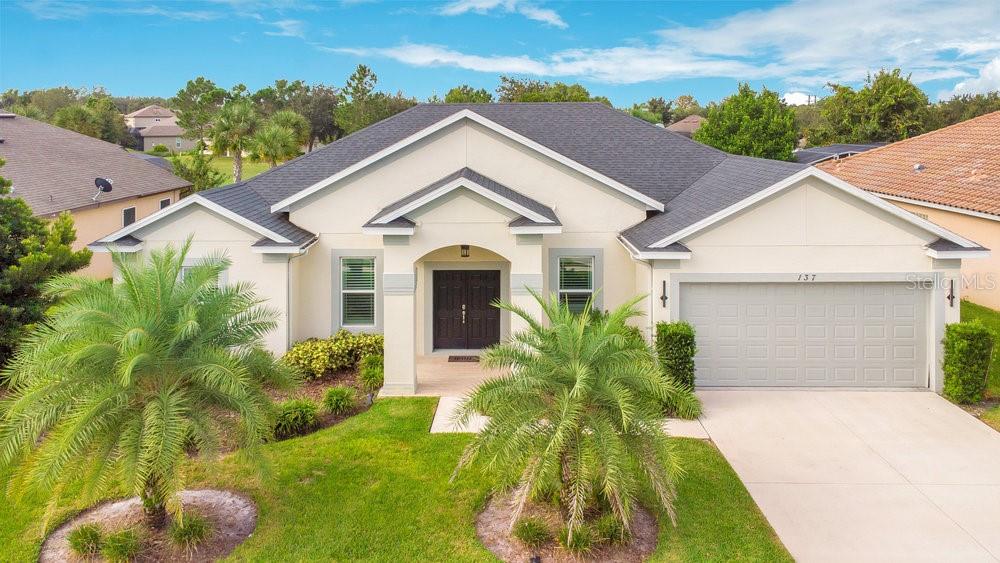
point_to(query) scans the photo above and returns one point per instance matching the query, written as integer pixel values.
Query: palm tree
(122, 380)
(233, 132)
(578, 412)
(274, 142)
(296, 122)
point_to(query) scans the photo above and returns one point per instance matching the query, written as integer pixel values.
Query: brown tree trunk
(237, 165)
(154, 510)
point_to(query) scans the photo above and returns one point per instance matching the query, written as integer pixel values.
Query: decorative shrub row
(88, 540)
(339, 399)
(371, 372)
(675, 348)
(295, 417)
(606, 530)
(968, 351)
(316, 357)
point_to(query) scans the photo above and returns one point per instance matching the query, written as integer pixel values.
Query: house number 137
(807, 277)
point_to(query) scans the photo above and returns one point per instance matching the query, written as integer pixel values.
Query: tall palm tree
(233, 132)
(273, 143)
(579, 412)
(123, 379)
(296, 122)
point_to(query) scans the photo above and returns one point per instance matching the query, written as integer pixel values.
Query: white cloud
(526, 9)
(987, 81)
(287, 28)
(797, 98)
(801, 46)
(72, 10)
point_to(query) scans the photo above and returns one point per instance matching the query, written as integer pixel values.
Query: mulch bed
(493, 530)
(232, 518)
(315, 389)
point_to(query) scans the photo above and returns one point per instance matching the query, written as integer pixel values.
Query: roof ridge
(915, 137)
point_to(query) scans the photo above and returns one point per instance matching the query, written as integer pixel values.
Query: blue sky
(628, 51)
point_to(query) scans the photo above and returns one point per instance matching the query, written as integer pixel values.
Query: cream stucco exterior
(809, 228)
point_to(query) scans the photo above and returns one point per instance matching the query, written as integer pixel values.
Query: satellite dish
(103, 186)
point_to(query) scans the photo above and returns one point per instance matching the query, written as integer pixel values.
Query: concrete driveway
(864, 476)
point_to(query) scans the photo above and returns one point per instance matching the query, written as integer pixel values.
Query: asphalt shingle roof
(957, 166)
(814, 155)
(151, 111)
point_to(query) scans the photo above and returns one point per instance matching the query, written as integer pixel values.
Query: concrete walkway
(864, 476)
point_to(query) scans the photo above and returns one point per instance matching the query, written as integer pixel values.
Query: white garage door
(808, 334)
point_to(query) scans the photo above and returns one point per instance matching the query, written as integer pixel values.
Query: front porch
(437, 377)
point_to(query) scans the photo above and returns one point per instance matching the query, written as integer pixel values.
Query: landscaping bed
(987, 410)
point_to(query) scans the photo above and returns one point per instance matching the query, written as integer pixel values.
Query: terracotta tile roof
(53, 169)
(957, 166)
(152, 111)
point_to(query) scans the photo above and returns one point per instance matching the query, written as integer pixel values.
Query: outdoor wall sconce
(951, 293)
(465, 251)
(663, 294)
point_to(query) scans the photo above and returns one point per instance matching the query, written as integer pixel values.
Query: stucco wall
(268, 273)
(96, 222)
(149, 121)
(980, 276)
(170, 142)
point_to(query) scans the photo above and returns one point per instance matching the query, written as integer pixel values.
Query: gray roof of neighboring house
(54, 169)
(151, 111)
(161, 131)
(815, 155)
(692, 180)
(153, 159)
(488, 183)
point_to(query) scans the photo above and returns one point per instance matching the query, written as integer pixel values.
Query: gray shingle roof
(248, 203)
(946, 245)
(815, 155)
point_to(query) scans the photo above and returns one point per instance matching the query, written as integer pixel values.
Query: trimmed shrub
(339, 399)
(968, 351)
(296, 417)
(609, 529)
(532, 531)
(371, 374)
(675, 348)
(191, 533)
(86, 540)
(315, 357)
(159, 150)
(582, 542)
(121, 546)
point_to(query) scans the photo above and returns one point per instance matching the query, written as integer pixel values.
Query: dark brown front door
(464, 316)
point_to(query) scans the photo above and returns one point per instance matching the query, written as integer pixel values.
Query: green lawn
(376, 487)
(991, 319)
(224, 164)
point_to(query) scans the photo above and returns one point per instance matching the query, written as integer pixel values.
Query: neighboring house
(950, 176)
(156, 125)
(687, 126)
(815, 155)
(54, 170)
(413, 226)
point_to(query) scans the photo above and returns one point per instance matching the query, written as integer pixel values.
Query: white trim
(651, 203)
(190, 200)
(454, 185)
(957, 254)
(536, 230)
(655, 255)
(940, 206)
(829, 179)
(107, 248)
(387, 230)
(276, 250)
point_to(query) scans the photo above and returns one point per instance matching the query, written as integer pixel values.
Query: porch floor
(437, 377)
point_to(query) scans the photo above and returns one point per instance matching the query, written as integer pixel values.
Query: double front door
(464, 317)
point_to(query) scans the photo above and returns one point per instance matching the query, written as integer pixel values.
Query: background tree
(363, 105)
(128, 104)
(196, 105)
(196, 167)
(273, 143)
(31, 252)
(653, 110)
(110, 121)
(79, 119)
(233, 132)
(283, 95)
(684, 106)
(466, 94)
(960, 108)
(122, 379)
(517, 90)
(750, 124)
(888, 108)
(319, 112)
(296, 123)
(51, 100)
(27, 110)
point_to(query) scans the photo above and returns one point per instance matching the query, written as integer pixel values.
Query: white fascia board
(940, 206)
(276, 250)
(957, 254)
(112, 247)
(284, 204)
(536, 230)
(829, 179)
(388, 230)
(192, 200)
(652, 255)
(469, 185)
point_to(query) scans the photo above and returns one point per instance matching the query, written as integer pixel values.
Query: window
(576, 281)
(177, 142)
(357, 291)
(164, 202)
(128, 216)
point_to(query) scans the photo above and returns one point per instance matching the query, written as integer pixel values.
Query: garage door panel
(817, 334)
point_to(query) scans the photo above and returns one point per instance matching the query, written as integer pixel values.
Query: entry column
(526, 267)
(400, 329)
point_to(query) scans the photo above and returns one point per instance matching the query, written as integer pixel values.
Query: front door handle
(463, 313)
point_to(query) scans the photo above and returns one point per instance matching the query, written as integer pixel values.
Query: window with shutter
(576, 281)
(357, 291)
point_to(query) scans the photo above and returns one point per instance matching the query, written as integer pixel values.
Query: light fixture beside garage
(465, 251)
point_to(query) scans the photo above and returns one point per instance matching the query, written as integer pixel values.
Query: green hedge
(968, 350)
(316, 357)
(371, 372)
(675, 348)
(295, 417)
